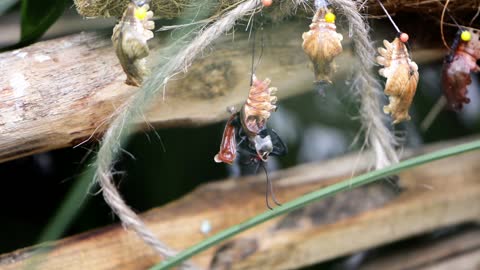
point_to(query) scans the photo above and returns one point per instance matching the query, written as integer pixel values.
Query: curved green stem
(314, 196)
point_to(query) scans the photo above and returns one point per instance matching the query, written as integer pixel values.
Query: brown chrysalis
(457, 67)
(402, 78)
(322, 44)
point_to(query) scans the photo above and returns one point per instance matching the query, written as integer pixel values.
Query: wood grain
(62, 92)
(433, 195)
(438, 252)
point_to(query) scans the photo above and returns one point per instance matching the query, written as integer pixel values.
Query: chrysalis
(255, 141)
(322, 44)
(402, 77)
(457, 67)
(246, 134)
(130, 37)
(258, 107)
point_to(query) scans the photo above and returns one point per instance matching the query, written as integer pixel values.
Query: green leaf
(38, 16)
(314, 196)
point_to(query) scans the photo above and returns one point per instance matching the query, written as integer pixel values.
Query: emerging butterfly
(247, 135)
(129, 39)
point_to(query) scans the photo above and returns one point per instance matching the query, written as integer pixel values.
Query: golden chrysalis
(322, 44)
(402, 78)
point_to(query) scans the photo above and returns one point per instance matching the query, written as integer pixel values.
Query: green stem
(69, 209)
(71, 206)
(314, 196)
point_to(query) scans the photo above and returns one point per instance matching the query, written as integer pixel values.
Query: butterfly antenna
(266, 197)
(269, 188)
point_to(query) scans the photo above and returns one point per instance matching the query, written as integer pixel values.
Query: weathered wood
(434, 195)
(467, 261)
(433, 254)
(62, 92)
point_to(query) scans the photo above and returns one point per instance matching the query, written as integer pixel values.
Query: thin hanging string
(388, 15)
(394, 24)
(321, 3)
(253, 50)
(441, 25)
(454, 21)
(262, 43)
(475, 16)
(254, 65)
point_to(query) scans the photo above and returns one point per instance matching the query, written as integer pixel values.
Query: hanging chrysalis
(249, 126)
(457, 66)
(130, 37)
(322, 44)
(258, 107)
(246, 133)
(401, 73)
(402, 78)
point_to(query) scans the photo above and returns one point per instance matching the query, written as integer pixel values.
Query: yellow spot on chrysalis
(140, 13)
(330, 17)
(466, 36)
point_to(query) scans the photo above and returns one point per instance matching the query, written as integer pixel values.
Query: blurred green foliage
(38, 16)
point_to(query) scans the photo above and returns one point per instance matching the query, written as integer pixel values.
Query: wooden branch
(434, 254)
(434, 195)
(58, 93)
(62, 92)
